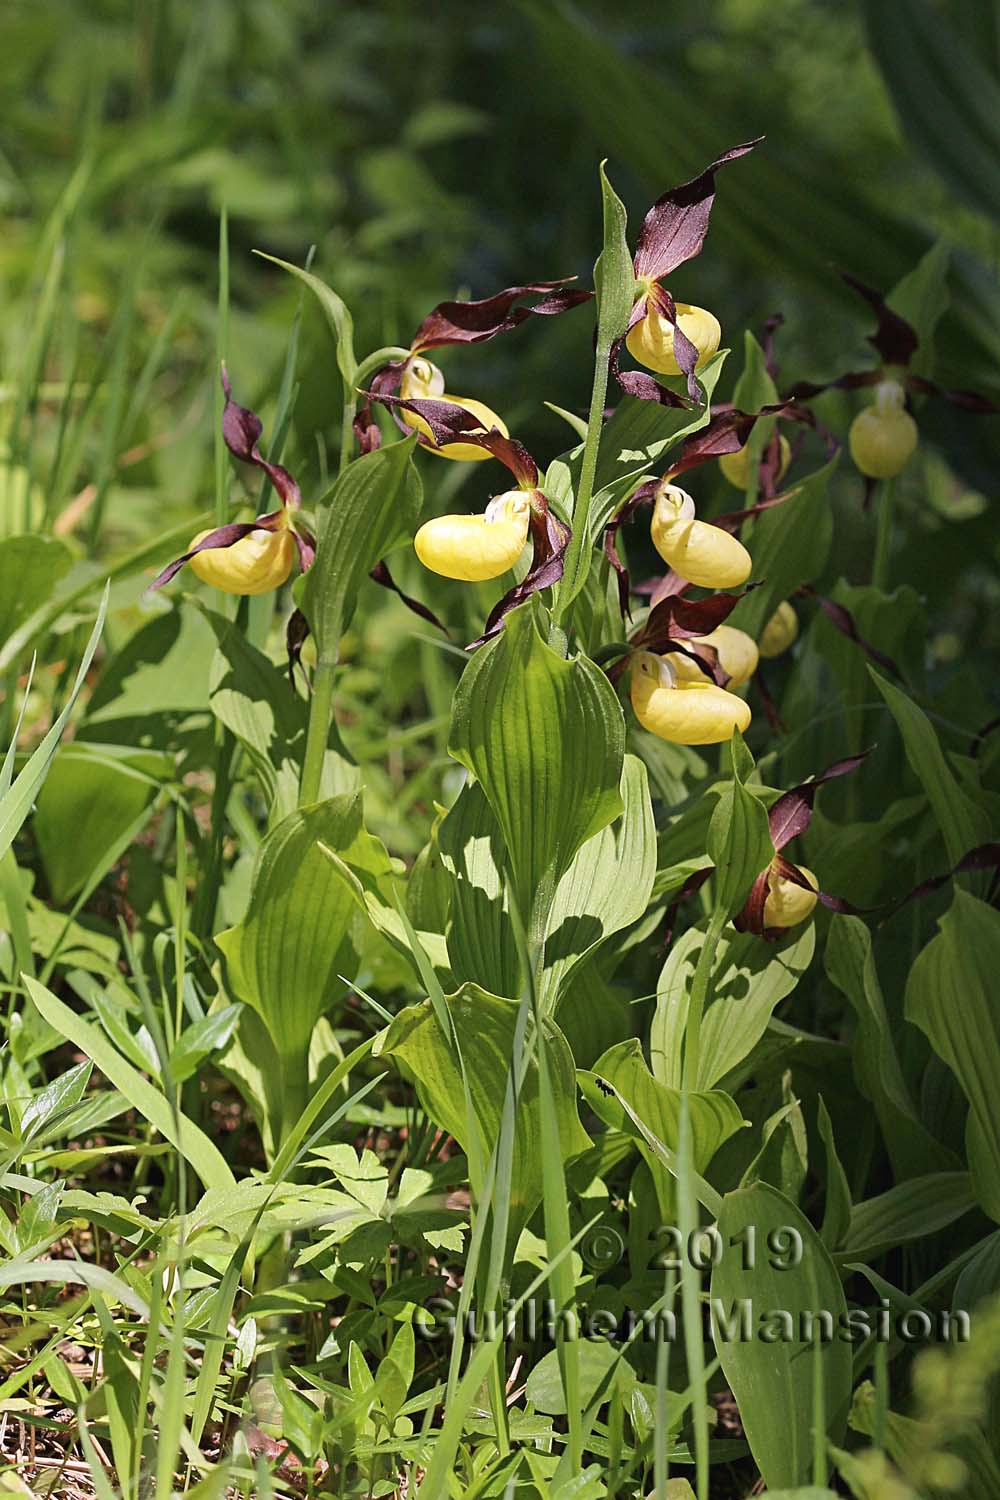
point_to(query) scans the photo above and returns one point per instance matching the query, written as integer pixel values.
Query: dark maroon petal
(894, 339)
(675, 619)
(450, 423)
(241, 430)
(296, 635)
(726, 432)
(805, 390)
(983, 857)
(771, 327)
(380, 574)
(691, 885)
(222, 536)
(792, 813)
(750, 918)
(306, 544)
(969, 401)
(982, 735)
(639, 384)
(767, 702)
(843, 620)
(550, 538)
(474, 322)
(733, 519)
(674, 229)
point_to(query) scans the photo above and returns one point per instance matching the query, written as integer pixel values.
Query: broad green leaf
(98, 795)
(30, 568)
(481, 946)
(909, 1211)
(749, 978)
(153, 691)
(963, 825)
(606, 887)
(850, 965)
(16, 798)
(946, 95)
(192, 1143)
(614, 280)
(484, 1027)
(545, 738)
(372, 508)
(951, 996)
(771, 1372)
(601, 1369)
(789, 546)
(837, 1204)
(739, 842)
(336, 312)
(714, 1114)
(254, 700)
(284, 958)
(922, 298)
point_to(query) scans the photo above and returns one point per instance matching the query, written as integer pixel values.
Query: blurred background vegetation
(435, 150)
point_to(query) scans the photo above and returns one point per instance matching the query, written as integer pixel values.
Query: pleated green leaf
(483, 1027)
(772, 1376)
(909, 1211)
(951, 996)
(749, 979)
(545, 738)
(481, 946)
(739, 839)
(286, 954)
(371, 509)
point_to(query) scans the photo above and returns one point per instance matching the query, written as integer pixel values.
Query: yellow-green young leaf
(850, 965)
(789, 546)
(371, 509)
(484, 1027)
(739, 839)
(606, 886)
(963, 825)
(951, 996)
(286, 954)
(714, 1115)
(776, 1276)
(545, 737)
(748, 979)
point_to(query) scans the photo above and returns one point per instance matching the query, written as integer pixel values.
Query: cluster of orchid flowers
(687, 665)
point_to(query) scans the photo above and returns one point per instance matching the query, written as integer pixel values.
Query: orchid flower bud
(780, 631)
(884, 436)
(788, 904)
(703, 554)
(651, 341)
(474, 548)
(423, 381)
(256, 564)
(736, 466)
(737, 653)
(686, 713)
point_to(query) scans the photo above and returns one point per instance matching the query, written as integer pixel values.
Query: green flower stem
(885, 496)
(699, 994)
(317, 734)
(366, 369)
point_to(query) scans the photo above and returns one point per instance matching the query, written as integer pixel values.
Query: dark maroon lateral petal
(853, 380)
(771, 326)
(983, 857)
(969, 401)
(639, 383)
(750, 917)
(674, 229)
(733, 519)
(843, 620)
(982, 735)
(222, 536)
(550, 538)
(676, 618)
(726, 432)
(475, 322)
(691, 886)
(380, 574)
(296, 634)
(792, 813)
(767, 702)
(894, 340)
(450, 423)
(366, 429)
(241, 430)
(306, 545)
